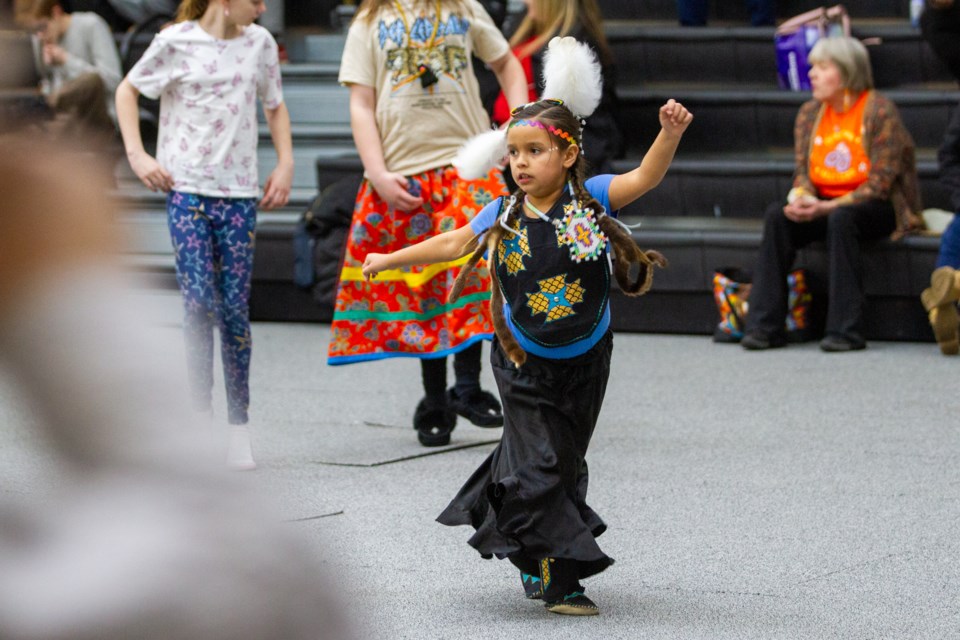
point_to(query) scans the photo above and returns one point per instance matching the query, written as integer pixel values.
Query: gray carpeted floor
(785, 494)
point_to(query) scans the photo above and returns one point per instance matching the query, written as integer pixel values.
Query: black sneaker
(575, 604)
(434, 422)
(479, 407)
(759, 341)
(838, 344)
(532, 586)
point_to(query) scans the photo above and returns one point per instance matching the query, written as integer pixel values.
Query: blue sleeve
(599, 188)
(486, 218)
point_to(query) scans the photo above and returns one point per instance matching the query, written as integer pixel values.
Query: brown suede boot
(945, 321)
(944, 288)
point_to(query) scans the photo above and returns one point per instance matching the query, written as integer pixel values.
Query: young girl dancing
(549, 245)
(208, 70)
(414, 100)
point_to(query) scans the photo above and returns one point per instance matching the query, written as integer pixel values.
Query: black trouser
(843, 230)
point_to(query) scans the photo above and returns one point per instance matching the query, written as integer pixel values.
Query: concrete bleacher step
(737, 119)
(143, 219)
(743, 186)
(752, 119)
(315, 47)
(719, 185)
(750, 116)
(306, 152)
(661, 52)
(736, 11)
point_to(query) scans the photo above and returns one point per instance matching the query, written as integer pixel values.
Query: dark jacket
(949, 157)
(941, 30)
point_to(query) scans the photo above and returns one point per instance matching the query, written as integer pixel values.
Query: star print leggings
(213, 242)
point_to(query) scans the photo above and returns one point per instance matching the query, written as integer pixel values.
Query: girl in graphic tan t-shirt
(414, 101)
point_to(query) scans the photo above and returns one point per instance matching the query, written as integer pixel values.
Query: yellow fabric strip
(355, 274)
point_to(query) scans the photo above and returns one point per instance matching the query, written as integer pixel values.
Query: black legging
(843, 231)
(466, 370)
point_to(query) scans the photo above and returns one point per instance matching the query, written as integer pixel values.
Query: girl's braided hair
(626, 252)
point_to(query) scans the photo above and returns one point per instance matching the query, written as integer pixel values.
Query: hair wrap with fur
(571, 72)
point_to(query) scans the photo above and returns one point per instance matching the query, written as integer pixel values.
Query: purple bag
(795, 38)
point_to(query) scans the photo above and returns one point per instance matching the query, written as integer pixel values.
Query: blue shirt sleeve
(599, 188)
(486, 218)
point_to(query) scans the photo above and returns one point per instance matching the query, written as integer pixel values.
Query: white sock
(239, 452)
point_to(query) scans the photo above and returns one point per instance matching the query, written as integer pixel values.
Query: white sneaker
(239, 452)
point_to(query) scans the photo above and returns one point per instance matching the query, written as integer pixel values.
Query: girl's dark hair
(626, 252)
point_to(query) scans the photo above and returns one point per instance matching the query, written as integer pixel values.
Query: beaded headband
(560, 133)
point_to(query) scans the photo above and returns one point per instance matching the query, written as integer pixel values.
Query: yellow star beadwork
(511, 251)
(555, 298)
(568, 210)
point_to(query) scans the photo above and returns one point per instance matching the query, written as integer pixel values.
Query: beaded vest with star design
(554, 273)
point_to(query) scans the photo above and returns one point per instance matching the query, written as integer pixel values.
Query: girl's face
(538, 165)
(826, 81)
(244, 12)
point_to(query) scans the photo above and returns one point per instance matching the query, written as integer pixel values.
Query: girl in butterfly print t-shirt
(208, 69)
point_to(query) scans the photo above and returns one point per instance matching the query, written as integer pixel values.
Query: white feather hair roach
(480, 154)
(571, 72)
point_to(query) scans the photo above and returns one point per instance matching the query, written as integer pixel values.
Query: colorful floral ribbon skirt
(405, 312)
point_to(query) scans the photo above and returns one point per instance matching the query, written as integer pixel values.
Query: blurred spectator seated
(79, 67)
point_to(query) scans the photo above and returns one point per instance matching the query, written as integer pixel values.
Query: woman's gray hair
(851, 58)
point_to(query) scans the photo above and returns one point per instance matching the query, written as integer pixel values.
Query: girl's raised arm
(625, 188)
(447, 246)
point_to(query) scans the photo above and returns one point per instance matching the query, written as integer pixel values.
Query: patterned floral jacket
(893, 165)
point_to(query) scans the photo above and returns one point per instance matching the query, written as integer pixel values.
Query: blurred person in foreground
(855, 180)
(143, 534)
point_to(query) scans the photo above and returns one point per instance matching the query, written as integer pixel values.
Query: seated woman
(581, 19)
(855, 180)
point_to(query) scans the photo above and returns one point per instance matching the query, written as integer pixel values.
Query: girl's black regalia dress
(527, 501)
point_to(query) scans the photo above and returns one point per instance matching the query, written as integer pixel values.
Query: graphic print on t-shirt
(421, 55)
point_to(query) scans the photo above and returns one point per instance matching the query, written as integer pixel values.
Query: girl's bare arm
(443, 247)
